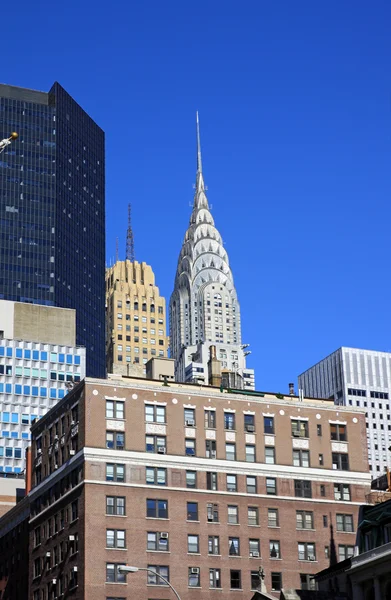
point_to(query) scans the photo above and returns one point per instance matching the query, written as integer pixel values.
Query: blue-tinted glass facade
(52, 211)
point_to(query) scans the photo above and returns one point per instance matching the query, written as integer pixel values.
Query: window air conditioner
(161, 450)
(213, 453)
(250, 428)
(39, 451)
(164, 535)
(311, 558)
(190, 422)
(54, 581)
(194, 570)
(296, 434)
(254, 554)
(72, 453)
(71, 538)
(55, 467)
(74, 569)
(48, 555)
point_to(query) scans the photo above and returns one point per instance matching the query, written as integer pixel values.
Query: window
(37, 567)
(115, 440)
(233, 546)
(276, 582)
(306, 551)
(193, 545)
(304, 519)
(322, 490)
(210, 419)
(232, 485)
(153, 579)
(212, 511)
(338, 432)
(211, 481)
(321, 461)
(254, 547)
(274, 549)
(307, 582)
(214, 578)
(210, 448)
(250, 453)
(115, 505)
(345, 551)
(270, 455)
(229, 420)
(249, 423)
(115, 538)
(191, 479)
(155, 414)
(340, 461)
(157, 541)
(230, 451)
(272, 517)
(342, 491)
(156, 476)
(155, 443)
(268, 425)
(112, 573)
(301, 458)
(192, 511)
(190, 417)
(303, 489)
(233, 515)
(115, 472)
(251, 483)
(157, 509)
(344, 522)
(236, 579)
(271, 486)
(255, 579)
(299, 428)
(194, 577)
(319, 430)
(213, 544)
(252, 515)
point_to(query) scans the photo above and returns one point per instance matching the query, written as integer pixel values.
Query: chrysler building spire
(204, 308)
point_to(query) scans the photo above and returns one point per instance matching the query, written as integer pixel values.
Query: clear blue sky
(295, 107)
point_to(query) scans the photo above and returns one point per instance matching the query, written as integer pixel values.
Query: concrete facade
(361, 378)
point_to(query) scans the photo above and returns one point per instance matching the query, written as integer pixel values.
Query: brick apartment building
(201, 485)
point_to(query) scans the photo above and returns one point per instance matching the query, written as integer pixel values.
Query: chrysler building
(204, 307)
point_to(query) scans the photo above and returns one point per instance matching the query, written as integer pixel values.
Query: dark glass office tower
(52, 210)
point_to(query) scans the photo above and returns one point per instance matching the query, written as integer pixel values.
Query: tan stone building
(135, 318)
(202, 486)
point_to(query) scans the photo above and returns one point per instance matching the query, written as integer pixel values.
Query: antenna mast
(129, 237)
(116, 250)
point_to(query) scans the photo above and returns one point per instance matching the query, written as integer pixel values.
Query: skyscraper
(52, 206)
(204, 307)
(362, 378)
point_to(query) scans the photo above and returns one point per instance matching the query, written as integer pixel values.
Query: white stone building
(204, 307)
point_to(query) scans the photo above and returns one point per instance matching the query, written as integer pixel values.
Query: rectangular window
(211, 481)
(271, 486)
(157, 540)
(115, 472)
(345, 551)
(157, 509)
(193, 544)
(255, 580)
(155, 443)
(251, 483)
(236, 579)
(115, 409)
(115, 505)
(112, 573)
(230, 451)
(254, 548)
(115, 440)
(233, 515)
(276, 580)
(306, 551)
(115, 538)
(272, 517)
(213, 544)
(307, 582)
(190, 417)
(210, 448)
(250, 453)
(270, 455)
(233, 546)
(155, 414)
(268, 425)
(156, 476)
(190, 447)
(340, 461)
(212, 511)
(304, 519)
(299, 428)
(249, 423)
(253, 515)
(194, 577)
(229, 420)
(342, 491)
(303, 489)
(274, 549)
(162, 570)
(214, 578)
(191, 479)
(301, 458)
(210, 419)
(344, 522)
(192, 511)
(338, 432)
(232, 485)
(319, 429)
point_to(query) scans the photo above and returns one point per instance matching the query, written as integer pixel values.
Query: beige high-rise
(135, 318)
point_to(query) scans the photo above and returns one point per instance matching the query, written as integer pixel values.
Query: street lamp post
(126, 570)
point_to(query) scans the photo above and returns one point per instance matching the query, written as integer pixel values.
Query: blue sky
(295, 108)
